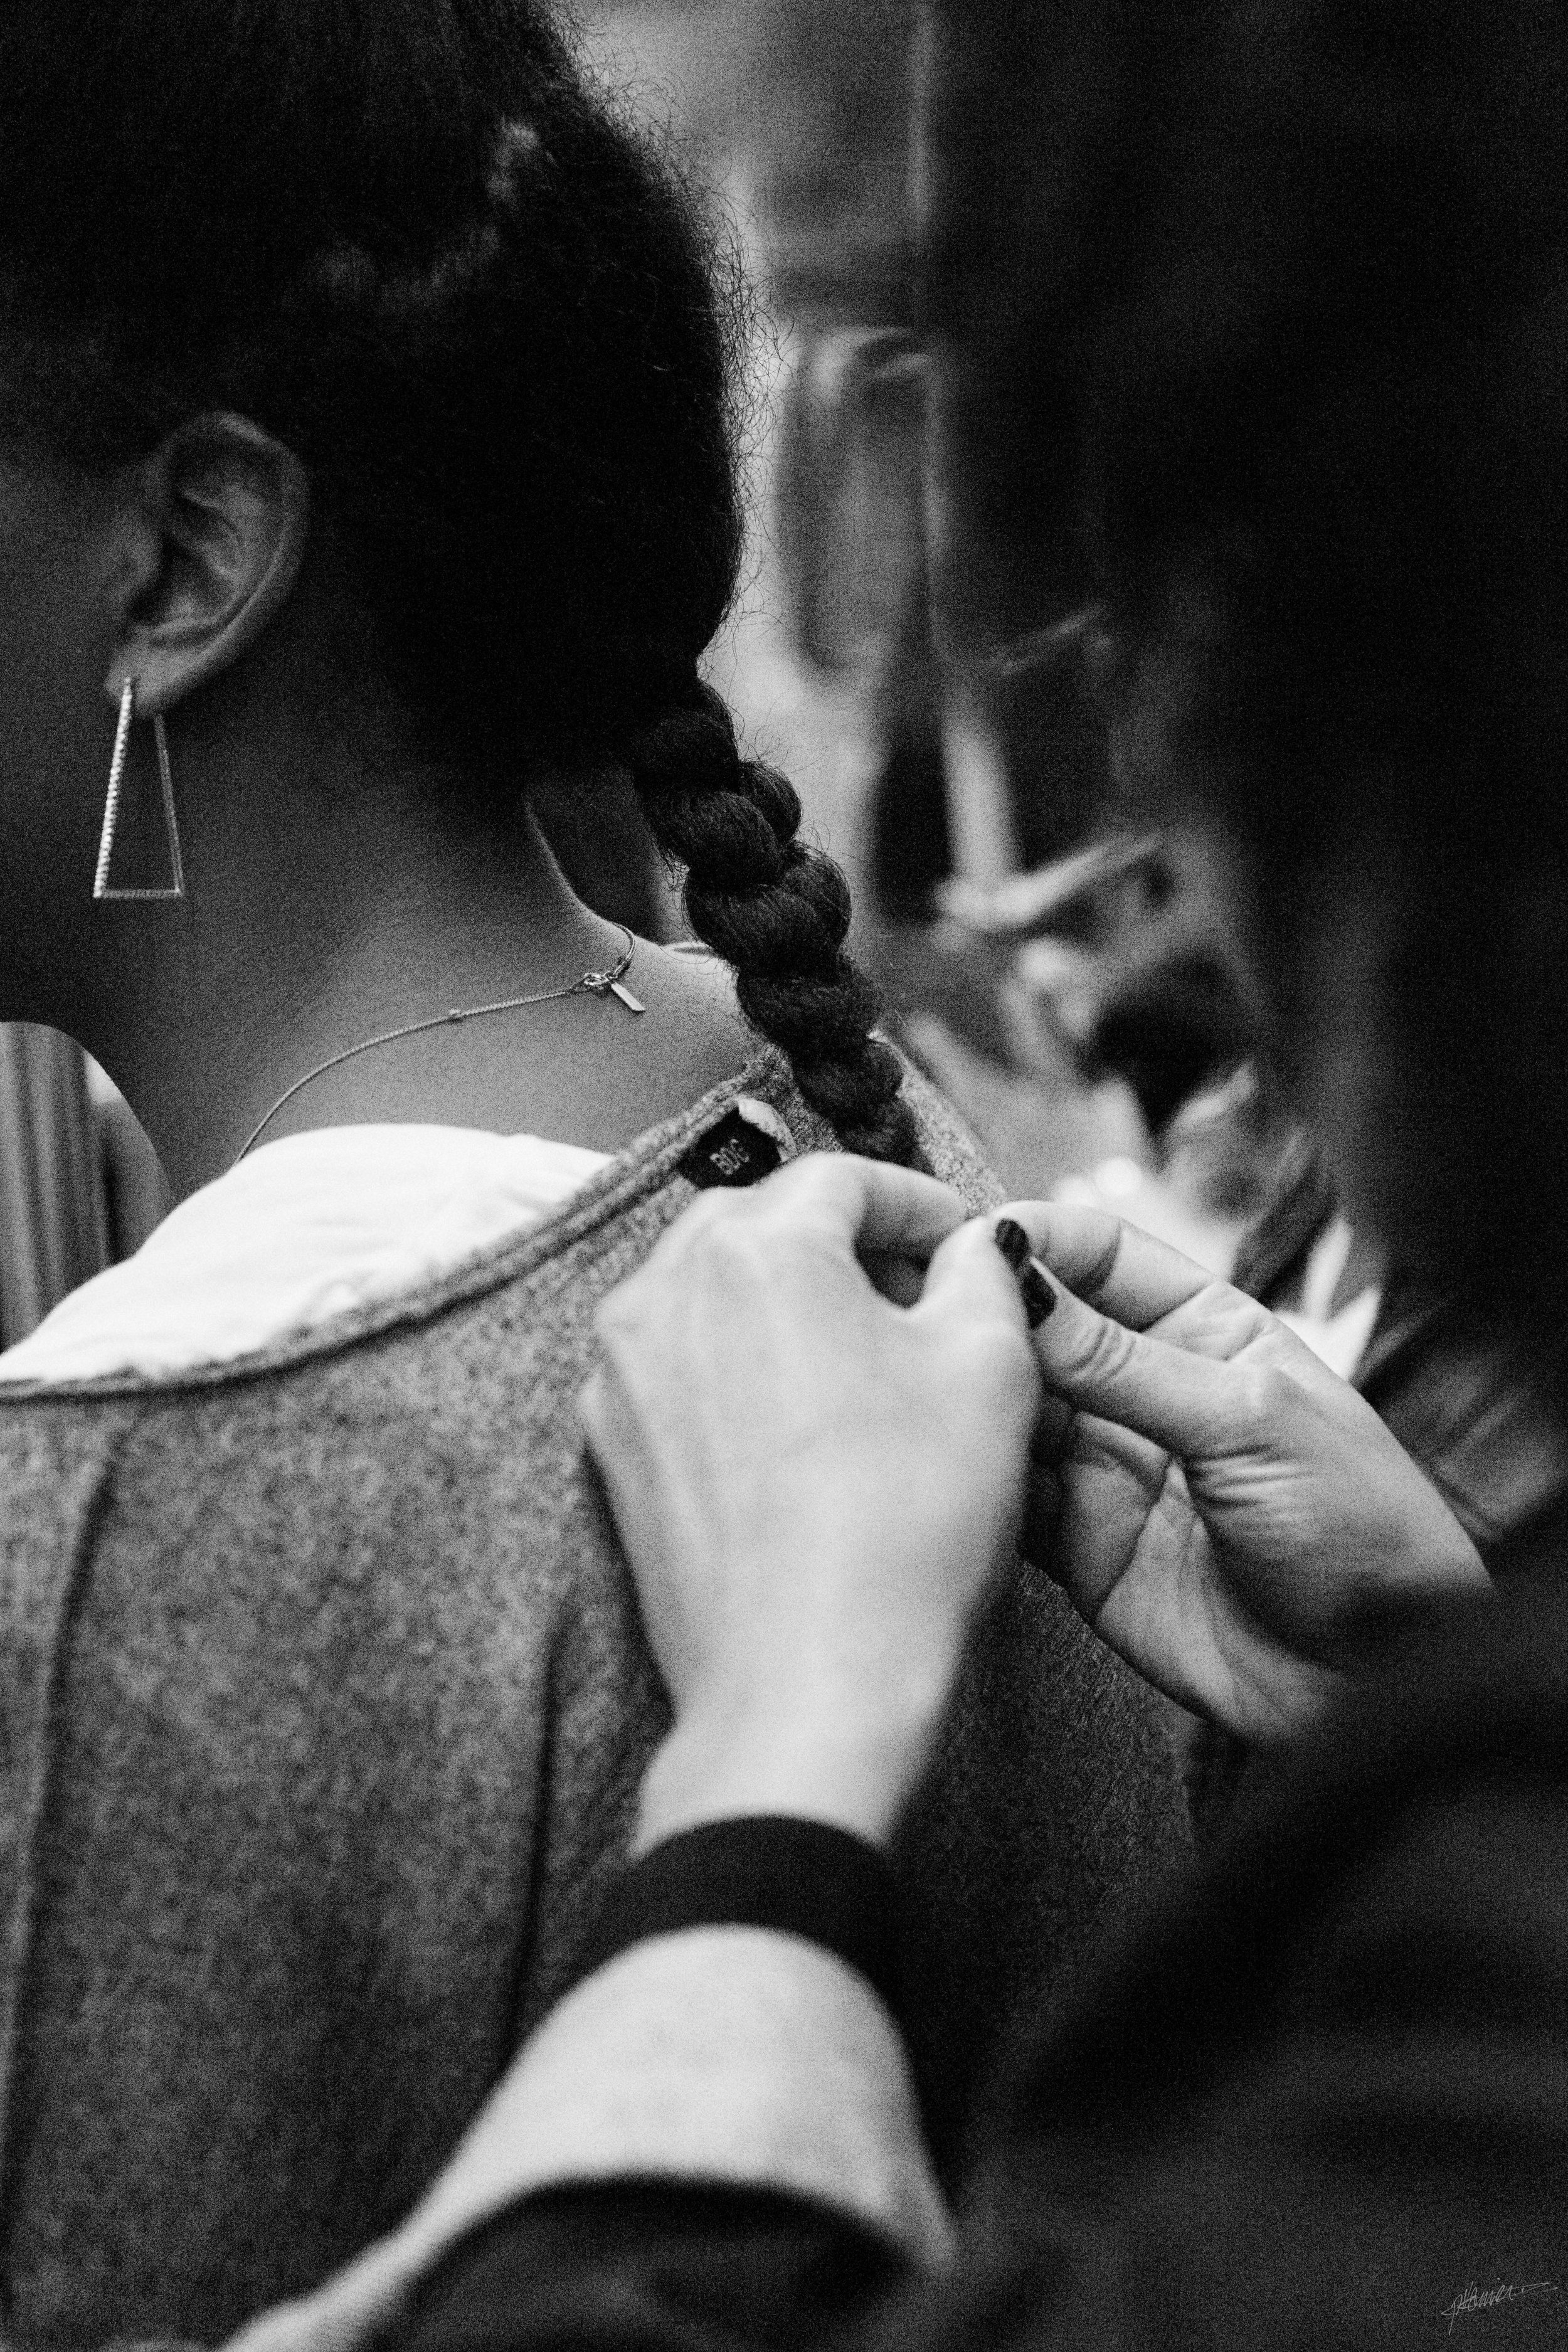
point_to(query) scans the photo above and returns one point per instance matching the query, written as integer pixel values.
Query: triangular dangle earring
(176, 887)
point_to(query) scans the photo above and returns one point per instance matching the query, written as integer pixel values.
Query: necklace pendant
(610, 984)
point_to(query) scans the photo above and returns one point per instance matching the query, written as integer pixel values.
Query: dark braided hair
(415, 244)
(776, 911)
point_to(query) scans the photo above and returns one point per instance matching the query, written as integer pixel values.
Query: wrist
(793, 1877)
(850, 1771)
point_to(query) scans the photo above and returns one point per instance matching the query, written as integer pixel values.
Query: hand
(814, 1485)
(1224, 1511)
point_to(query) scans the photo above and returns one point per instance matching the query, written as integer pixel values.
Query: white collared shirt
(302, 1230)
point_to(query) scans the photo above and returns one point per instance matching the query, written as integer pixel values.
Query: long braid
(777, 912)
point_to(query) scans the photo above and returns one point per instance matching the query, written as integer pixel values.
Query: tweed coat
(325, 1704)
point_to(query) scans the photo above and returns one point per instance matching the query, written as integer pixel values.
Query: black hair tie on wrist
(795, 1877)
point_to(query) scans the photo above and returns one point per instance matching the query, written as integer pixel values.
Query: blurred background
(1056, 974)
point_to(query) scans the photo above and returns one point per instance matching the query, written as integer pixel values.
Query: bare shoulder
(693, 979)
(687, 963)
(691, 1039)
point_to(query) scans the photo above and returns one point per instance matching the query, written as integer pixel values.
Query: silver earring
(101, 888)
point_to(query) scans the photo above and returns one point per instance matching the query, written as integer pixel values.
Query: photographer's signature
(1472, 2299)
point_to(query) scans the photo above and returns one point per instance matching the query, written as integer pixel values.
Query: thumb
(969, 1278)
(1183, 1403)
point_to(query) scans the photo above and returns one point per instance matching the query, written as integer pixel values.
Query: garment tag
(733, 1151)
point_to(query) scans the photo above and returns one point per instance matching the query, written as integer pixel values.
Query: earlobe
(229, 509)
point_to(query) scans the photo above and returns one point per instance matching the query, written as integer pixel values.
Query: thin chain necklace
(588, 983)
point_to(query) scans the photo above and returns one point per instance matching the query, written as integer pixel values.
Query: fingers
(1180, 1400)
(864, 1204)
(837, 1205)
(1094, 1363)
(1054, 1423)
(970, 1278)
(1125, 1272)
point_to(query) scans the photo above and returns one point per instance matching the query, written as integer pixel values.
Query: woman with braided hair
(366, 457)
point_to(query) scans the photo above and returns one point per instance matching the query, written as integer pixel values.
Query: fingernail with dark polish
(1035, 1285)
(1011, 1240)
(1039, 1298)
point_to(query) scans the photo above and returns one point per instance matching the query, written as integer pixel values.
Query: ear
(211, 541)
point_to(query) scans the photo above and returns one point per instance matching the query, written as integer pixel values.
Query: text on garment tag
(733, 1151)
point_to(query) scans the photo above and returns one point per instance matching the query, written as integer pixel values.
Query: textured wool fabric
(325, 1704)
